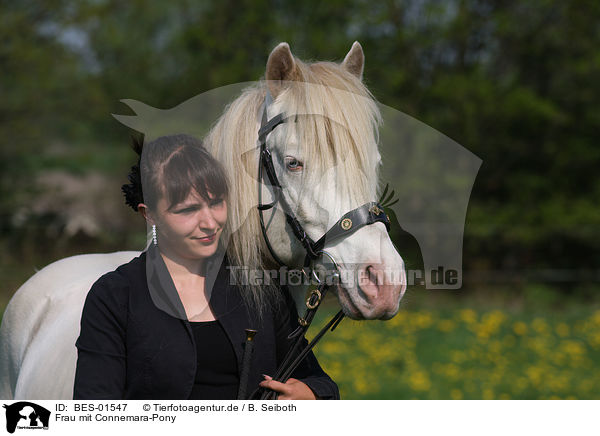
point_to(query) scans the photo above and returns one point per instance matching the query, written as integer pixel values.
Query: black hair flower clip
(133, 190)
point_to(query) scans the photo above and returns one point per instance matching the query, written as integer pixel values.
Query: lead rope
(332, 324)
(313, 303)
(288, 365)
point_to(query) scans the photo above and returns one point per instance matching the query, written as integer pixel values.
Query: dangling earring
(154, 241)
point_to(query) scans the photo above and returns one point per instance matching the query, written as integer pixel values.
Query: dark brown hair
(171, 166)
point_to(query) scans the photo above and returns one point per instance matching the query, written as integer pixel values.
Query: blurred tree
(38, 71)
(515, 83)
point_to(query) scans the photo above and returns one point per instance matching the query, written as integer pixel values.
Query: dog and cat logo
(26, 415)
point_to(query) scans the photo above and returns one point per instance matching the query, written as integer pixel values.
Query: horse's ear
(354, 61)
(280, 66)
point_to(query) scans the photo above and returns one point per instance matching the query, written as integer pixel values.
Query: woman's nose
(206, 219)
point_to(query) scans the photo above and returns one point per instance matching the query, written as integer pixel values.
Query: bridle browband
(367, 214)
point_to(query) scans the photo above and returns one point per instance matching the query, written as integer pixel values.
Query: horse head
(327, 163)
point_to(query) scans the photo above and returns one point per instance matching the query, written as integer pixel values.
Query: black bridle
(368, 213)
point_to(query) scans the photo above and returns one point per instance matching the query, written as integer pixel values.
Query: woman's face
(192, 228)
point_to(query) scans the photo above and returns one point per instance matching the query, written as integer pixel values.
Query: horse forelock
(340, 128)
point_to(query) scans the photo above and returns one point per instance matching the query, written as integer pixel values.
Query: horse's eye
(293, 164)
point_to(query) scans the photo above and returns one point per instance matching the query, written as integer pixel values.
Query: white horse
(327, 164)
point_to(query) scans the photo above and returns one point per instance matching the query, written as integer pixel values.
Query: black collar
(164, 293)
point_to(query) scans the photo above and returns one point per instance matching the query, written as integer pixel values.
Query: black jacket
(136, 342)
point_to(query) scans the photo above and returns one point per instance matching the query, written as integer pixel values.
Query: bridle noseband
(367, 214)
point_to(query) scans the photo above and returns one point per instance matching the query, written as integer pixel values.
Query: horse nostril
(373, 276)
(370, 282)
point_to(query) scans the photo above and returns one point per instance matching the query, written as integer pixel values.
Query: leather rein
(367, 214)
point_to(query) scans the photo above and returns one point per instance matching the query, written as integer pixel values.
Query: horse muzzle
(374, 292)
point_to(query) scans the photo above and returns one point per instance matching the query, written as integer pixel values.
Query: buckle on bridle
(302, 322)
(311, 302)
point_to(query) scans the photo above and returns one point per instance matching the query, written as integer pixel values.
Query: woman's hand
(293, 389)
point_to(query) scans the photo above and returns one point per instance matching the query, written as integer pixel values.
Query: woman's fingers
(291, 390)
(274, 385)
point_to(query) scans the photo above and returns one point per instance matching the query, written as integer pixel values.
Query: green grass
(462, 350)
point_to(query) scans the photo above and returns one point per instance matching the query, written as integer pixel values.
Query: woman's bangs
(187, 171)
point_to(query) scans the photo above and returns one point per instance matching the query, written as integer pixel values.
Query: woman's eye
(293, 164)
(217, 202)
(185, 210)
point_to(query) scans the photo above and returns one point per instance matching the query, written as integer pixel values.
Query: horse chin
(356, 309)
(348, 307)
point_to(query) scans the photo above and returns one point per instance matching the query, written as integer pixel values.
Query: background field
(451, 347)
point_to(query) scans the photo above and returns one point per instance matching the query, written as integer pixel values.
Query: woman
(170, 324)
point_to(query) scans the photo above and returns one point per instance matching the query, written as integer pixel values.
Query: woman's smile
(209, 239)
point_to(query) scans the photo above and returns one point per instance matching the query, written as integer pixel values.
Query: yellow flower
(594, 340)
(573, 348)
(540, 326)
(419, 381)
(334, 347)
(361, 386)
(493, 319)
(562, 329)
(446, 325)
(452, 371)
(468, 316)
(423, 319)
(456, 394)
(490, 324)
(520, 328)
(398, 320)
(535, 374)
(595, 318)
